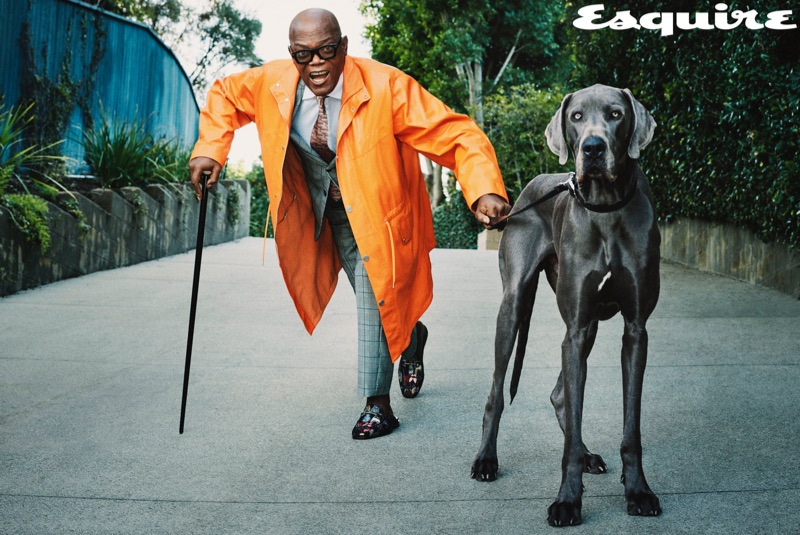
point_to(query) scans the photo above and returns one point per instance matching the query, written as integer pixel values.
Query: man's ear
(556, 132)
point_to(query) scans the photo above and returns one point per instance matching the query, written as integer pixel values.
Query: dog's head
(604, 126)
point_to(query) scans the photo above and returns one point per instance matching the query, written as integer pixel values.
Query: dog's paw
(594, 464)
(562, 514)
(643, 504)
(484, 469)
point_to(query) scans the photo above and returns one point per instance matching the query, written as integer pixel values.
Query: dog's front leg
(566, 510)
(592, 463)
(641, 500)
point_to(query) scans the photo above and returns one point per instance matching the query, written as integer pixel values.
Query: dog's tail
(522, 343)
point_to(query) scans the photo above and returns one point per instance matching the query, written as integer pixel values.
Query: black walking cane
(197, 257)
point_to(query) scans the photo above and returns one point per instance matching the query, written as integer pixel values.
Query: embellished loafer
(411, 371)
(373, 424)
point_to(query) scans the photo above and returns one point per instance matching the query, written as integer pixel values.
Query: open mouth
(318, 77)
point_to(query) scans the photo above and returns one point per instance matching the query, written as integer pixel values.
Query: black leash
(571, 185)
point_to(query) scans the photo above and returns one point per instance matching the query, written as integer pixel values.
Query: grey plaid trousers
(375, 367)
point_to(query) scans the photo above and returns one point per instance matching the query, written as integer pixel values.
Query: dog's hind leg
(592, 463)
(518, 297)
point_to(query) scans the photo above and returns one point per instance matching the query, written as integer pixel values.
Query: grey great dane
(599, 249)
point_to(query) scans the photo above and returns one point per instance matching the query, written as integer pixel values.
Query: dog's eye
(577, 116)
(616, 114)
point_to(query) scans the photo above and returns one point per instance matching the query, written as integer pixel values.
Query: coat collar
(283, 91)
(354, 92)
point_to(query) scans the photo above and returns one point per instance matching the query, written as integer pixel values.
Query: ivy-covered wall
(727, 103)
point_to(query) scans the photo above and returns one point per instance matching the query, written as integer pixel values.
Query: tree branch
(507, 61)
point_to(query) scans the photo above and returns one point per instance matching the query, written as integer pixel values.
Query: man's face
(320, 75)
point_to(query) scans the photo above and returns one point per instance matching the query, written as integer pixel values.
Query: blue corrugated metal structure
(134, 75)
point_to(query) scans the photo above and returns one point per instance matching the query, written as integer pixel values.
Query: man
(340, 138)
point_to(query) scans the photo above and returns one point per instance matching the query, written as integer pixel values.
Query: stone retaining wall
(120, 228)
(733, 252)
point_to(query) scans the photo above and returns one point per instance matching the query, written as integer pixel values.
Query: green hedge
(727, 105)
(515, 121)
(455, 225)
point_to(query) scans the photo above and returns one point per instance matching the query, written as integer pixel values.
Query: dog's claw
(644, 504)
(562, 514)
(484, 469)
(594, 464)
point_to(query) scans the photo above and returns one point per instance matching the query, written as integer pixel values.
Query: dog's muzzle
(593, 159)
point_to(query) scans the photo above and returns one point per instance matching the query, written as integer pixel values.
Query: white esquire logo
(667, 22)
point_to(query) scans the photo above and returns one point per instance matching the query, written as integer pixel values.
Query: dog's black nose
(593, 147)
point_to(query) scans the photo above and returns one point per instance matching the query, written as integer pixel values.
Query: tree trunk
(476, 92)
(433, 182)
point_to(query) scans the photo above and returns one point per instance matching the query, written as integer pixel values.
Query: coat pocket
(400, 226)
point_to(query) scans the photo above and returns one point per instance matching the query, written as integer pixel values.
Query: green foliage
(72, 208)
(259, 202)
(158, 14)
(29, 215)
(455, 225)
(232, 209)
(168, 160)
(515, 121)
(16, 159)
(227, 37)
(57, 94)
(124, 153)
(728, 108)
(437, 41)
(117, 152)
(207, 35)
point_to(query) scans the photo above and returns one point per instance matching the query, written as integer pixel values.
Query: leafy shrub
(455, 225)
(29, 215)
(169, 162)
(16, 159)
(515, 121)
(259, 202)
(124, 153)
(117, 152)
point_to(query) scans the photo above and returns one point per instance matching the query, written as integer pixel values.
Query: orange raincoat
(386, 119)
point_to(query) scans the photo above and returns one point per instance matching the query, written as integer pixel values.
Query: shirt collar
(336, 93)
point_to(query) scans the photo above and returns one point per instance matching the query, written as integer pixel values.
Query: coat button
(380, 303)
(349, 209)
(366, 258)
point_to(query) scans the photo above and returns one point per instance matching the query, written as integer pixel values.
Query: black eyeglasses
(324, 52)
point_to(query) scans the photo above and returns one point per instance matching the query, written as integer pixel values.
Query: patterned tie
(319, 135)
(319, 142)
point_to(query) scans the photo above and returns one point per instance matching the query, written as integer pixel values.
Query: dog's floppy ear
(556, 132)
(643, 126)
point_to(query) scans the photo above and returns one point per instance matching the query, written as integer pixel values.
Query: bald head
(314, 20)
